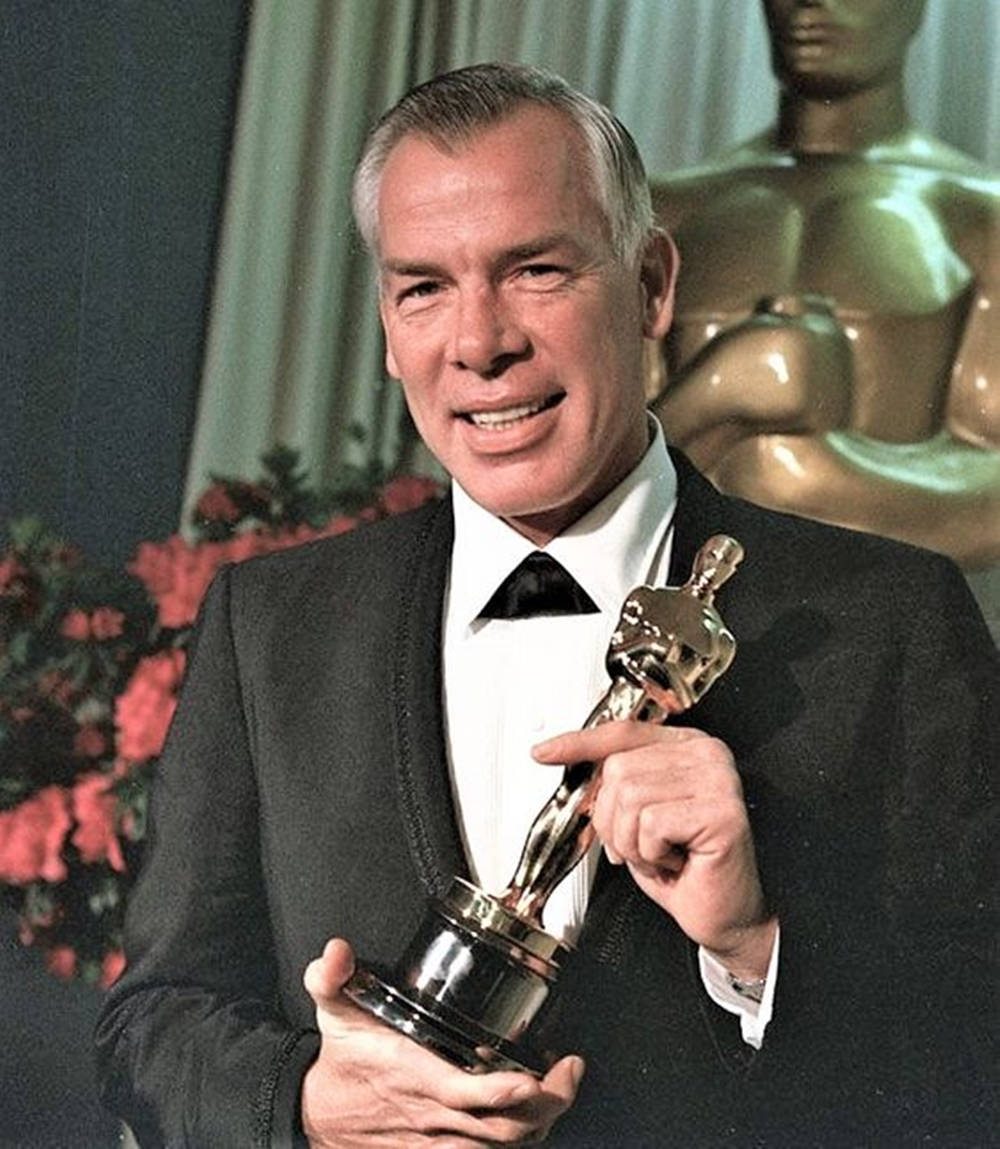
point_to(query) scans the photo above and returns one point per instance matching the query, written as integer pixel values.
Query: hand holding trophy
(480, 966)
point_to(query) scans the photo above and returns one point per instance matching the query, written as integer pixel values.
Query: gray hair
(454, 108)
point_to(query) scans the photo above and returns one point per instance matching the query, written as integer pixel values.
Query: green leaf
(28, 532)
(19, 647)
(39, 903)
(104, 896)
(12, 790)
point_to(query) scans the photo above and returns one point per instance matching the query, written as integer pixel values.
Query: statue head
(671, 641)
(830, 48)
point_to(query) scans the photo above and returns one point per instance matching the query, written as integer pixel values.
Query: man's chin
(541, 523)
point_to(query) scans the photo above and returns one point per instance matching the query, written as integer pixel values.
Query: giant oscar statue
(836, 344)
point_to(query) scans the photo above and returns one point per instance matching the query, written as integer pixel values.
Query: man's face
(515, 330)
(832, 47)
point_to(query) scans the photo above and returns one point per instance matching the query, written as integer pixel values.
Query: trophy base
(475, 1050)
(469, 985)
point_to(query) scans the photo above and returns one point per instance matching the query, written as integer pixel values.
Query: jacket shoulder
(381, 548)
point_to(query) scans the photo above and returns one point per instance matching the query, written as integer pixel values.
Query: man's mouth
(508, 416)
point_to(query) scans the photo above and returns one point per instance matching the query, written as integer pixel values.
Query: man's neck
(541, 527)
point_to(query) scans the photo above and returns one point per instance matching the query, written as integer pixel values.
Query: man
(352, 733)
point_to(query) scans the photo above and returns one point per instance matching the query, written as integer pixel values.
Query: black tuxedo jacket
(304, 794)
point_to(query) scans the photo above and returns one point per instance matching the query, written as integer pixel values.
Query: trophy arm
(725, 653)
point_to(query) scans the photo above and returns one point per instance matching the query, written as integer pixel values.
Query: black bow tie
(538, 585)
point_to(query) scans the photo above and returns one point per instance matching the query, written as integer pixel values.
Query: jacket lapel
(617, 926)
(425, 795)
(701, 513)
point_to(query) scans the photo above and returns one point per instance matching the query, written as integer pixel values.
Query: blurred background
(182, 287)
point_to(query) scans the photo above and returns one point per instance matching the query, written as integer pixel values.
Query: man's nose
(486, 337)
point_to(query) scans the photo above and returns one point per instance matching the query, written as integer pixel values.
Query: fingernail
(577, 1071)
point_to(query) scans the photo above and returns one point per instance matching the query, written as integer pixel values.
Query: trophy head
(671, 641)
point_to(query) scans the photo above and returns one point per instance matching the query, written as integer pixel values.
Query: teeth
(500, 419)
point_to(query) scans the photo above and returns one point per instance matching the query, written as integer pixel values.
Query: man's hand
(371, 1086)
(670, 806)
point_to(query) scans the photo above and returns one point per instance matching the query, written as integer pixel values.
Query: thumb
(326, 975)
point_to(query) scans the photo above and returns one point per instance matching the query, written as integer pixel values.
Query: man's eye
(421, 290)
(540, 271)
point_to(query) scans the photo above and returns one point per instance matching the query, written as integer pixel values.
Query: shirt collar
(610, 550)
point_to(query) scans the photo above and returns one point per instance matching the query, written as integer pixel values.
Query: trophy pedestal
(470, 983)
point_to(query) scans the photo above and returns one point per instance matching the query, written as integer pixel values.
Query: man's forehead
(533, 167)
(527, 130)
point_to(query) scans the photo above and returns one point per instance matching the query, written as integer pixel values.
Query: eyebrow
(415, 269)
(539, 246)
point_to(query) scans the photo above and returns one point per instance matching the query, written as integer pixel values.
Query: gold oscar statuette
(480, 966)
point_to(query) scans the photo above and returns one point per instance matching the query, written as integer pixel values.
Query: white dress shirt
(509, 683)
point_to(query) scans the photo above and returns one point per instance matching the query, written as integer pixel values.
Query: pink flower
(230, 500)
(336, 526)
(89, 742)
(94, 811)
(407, 492)
(106, 622)
(32, 836)
(144, 709)
(177, 575)
(215, 505)
(61, 961)
(55, 685)
(21, 587)
(153, 564)
(76, 626)
(112, 968)
(245, 546)
(10, 569)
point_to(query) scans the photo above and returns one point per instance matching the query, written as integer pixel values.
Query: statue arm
(763, 409)
(972, 413)
(942, 493)
(786, 368)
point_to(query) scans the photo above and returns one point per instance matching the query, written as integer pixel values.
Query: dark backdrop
(115, 121)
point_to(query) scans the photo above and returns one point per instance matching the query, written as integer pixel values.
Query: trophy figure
(480, 966)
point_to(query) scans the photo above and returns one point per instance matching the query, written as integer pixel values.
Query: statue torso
(896, 247)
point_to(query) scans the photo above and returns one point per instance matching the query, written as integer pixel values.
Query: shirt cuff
(753, 1015)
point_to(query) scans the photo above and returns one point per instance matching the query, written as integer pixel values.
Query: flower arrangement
(91, 662)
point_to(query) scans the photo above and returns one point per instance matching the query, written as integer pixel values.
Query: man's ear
(658, 276)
